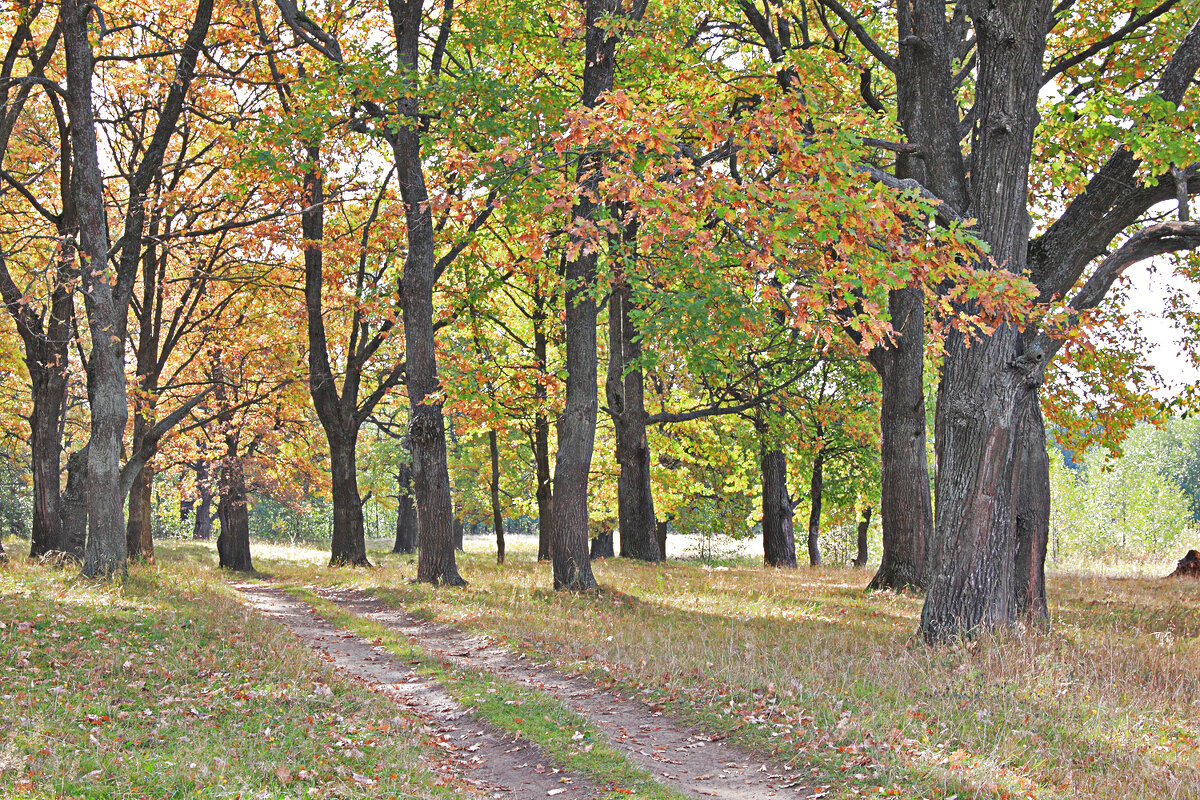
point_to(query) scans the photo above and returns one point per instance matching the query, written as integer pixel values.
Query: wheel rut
(493, 761)
(676, 755)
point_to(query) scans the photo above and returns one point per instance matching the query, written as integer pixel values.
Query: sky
(1149, 282)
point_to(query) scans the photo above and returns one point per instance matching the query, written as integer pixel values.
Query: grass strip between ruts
(530, 713)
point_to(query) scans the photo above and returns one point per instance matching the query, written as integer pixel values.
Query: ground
(671, 681)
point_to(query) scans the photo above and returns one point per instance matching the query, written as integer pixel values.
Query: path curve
(690, 761)
(490, 759)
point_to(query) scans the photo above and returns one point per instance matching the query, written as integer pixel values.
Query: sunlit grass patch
(166, 686)
(807, 664)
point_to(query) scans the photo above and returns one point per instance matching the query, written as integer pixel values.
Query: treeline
(231, 229)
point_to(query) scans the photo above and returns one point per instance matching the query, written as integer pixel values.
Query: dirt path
(687, 760)
(485, 756)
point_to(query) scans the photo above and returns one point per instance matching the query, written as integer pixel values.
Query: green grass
(532, 714)
(165, 686)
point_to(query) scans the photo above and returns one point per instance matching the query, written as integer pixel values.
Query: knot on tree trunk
(426, 425)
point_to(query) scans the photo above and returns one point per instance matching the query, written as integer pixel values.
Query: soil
(688, 760)
(493, 761)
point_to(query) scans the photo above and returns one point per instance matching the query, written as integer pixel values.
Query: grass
(526, 712)
(165, 686)
(805, 664)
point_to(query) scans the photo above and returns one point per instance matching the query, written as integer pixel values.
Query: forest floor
(671, 681)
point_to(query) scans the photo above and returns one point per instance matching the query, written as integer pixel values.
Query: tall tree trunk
(105, 550)
(541, 434)
(427, 428)
(660, 532)
(73, 505)
(348, 546)
(816, 487)
(406, 513)
(497, 514)
(904, 503)
(779, 543)
(626, 406)
(864, 525)
(1032, 511)
(577, 425)
(233, 543)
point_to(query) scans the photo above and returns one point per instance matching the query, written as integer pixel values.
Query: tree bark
(139, 529)
(45, 444)
(816, 488)
(74, 506)
(904, 502)
(1032, 511)
(406, 513)
(864, 525)
(602, 545)
(233, 542)
(661, 535)
(348, 546)
(626, 406)
(779, 543)
(497, 513)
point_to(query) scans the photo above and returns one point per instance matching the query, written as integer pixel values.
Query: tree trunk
(779, 544)
(406, 513)
(233, 543)
(577, 424)
(864, 525)
(202, 524)
(541, 434)
(427, 427)
(497, 514)
(904, 501)
(626, 407)
(348, 545)
(1032, 511)
(45, 445)
(139, 530)
(816, 487)
(104, 554)
(73, 505)
(459, 531)
(661, 534)
(602, 545)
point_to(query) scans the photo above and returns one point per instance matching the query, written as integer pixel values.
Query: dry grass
(804, 662)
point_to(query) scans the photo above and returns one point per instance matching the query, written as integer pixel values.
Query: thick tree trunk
(233, 542)
(602, 545)
(497, 514)
(816, 488)
(626, 406)
(1032, 511)
(779, 543)
(904, 503)
(406, 513)
(73, 505)
(864, 525)
(541, 435)
(348, 545)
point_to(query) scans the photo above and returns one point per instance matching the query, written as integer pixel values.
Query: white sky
(1149, 282)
